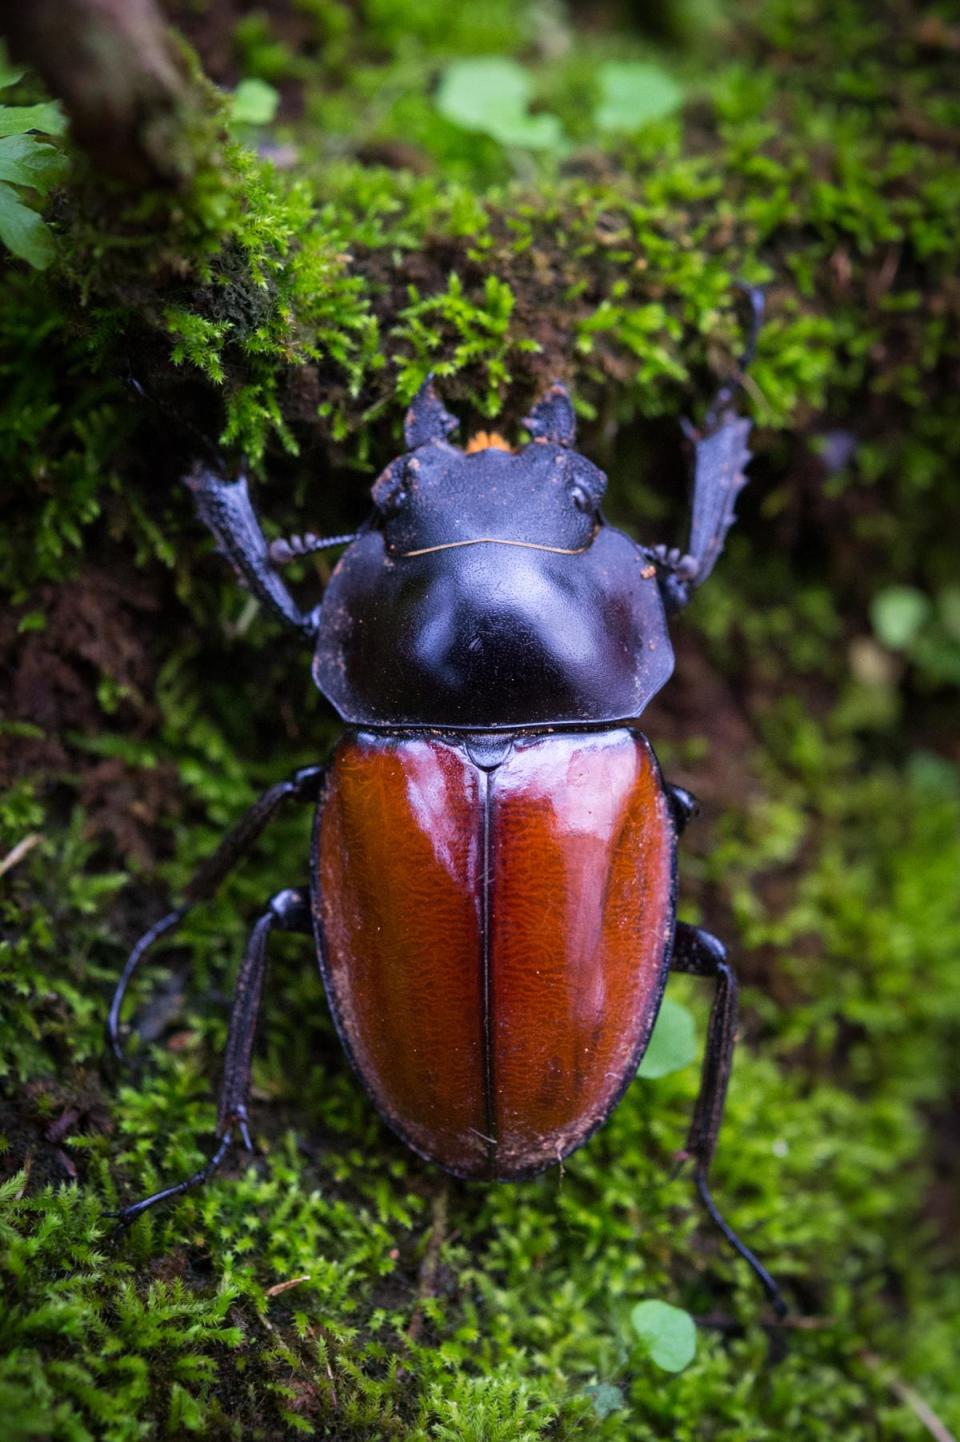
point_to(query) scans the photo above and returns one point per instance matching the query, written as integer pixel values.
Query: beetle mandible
(492, 882)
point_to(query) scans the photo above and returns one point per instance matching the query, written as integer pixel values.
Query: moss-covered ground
(284, 304)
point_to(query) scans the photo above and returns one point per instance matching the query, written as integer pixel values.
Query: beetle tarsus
(128, 1215)
(700, 953)
(756, 296)
(774, 1295)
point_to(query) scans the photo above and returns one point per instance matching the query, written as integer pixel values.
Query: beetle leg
(701, 954)
(698, 952)
(225, 508)
(287, 911)
(683, 804)
(756, 298)
(721, 456)
(303, 785)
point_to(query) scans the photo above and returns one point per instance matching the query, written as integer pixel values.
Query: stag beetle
(492, 883)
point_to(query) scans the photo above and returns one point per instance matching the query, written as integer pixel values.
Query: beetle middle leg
(286, 911)
(303, 785)
(683, 804)
(699, 953)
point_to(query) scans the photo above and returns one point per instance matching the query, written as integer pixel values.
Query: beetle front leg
(699, 953)
(287, 911)
(721, 455)
(225, 508)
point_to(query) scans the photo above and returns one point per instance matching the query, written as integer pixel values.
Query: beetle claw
(239, 1121)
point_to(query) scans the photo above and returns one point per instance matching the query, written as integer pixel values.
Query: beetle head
(543, 494)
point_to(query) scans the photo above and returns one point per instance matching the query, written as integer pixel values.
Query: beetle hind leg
(286, 911)
(701, 954)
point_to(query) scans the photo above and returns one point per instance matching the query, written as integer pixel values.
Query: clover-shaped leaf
(491, 94)
(254, 102)
(605, 1398)
(897, 613)
(673, 1044)
(632, 93)
(668, 1334)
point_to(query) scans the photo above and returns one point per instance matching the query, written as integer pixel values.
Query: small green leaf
(673, 1044)
(11, 1189)
(25, 160)
(17, 119)
(631, 93)
(32, 621)
(254, 102)
(184, 1410)
(668, 1334)
(23, 231)
(897, 614)
(492, 95)
(930, 772)
(606, 1398)
(529, 132)
(472, 90)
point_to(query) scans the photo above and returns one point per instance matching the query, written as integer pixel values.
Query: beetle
(492, 888)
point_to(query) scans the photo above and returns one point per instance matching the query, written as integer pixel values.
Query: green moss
(820, 1177)
(287, 313)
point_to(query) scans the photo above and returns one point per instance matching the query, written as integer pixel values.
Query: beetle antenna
(291, 548)
(773, 1292)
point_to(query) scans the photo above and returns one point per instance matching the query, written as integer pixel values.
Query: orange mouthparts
(486, 441)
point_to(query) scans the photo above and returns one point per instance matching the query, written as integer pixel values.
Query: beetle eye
(581, 499)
